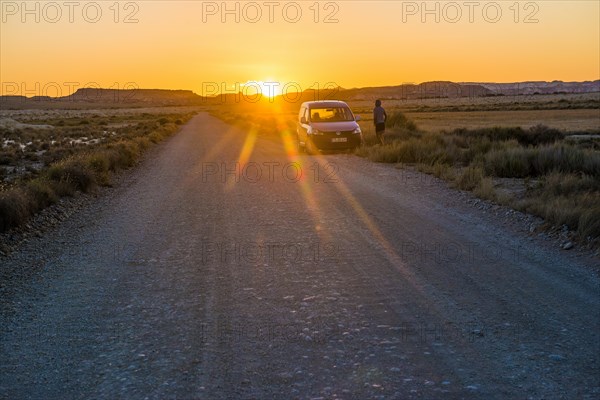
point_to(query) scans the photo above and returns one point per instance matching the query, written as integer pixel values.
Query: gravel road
(222, 268)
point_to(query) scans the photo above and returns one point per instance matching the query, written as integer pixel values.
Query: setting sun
(268, 88)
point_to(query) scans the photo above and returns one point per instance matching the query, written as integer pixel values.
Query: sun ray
(245, 153)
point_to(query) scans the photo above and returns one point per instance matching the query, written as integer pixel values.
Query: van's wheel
(309, 147)
(299, 146)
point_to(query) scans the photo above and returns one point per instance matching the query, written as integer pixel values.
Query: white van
(327, 125)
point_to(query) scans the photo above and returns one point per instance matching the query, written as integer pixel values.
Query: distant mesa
(109, 98)
(446, 89)
(540, 87)
(106, 98)
(149, 96)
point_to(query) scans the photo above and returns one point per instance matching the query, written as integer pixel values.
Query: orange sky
(186, 45)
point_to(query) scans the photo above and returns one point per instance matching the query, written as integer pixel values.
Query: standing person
(379, 118)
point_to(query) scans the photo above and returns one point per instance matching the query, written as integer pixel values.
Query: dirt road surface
(224, 267)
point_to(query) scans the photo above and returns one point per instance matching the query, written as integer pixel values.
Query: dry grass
(475, 150)
(569, 175)
(571, 120)
(79, 168)
(486, 104)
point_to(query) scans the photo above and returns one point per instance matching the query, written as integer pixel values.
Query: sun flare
(268, 88)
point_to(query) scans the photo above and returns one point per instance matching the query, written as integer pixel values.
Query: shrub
(127, 154)
(397, 134)
(534, 136)
(589, 222)
(441, 170)
(469, 178)
(541, 134)
(41, 193)
(74, 172)
(429, 149)
(509, 163)
(521, 162)
(560, 184)
(564, 158)
(62, 188)
(99, 163)
(15, 208)
(399, 120)
(579, 211)
(155, 137)
(485, 189)
(143, 142)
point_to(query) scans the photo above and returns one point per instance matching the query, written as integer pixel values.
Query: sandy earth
(358, 281)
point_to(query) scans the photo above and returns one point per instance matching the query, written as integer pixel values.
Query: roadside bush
(41, 193)
(569, 199)
(541, 134)
(565, 158)
(126, 155)
(439, 170)
(509, 163)
(401, 121)
(99, 163)
(537, 161)
(469, 178)
(578, 211)
(485, 189)
(382, 154)
(589, 222)
(62, 188)
(429, 149)
(369, 139)
(74, 172)
(394, 134)
(536, 135)
(143, 142)
(560, 210)
(559, 184)
(15, 208)
(155, 137)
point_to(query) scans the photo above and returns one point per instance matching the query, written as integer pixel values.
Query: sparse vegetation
(568, 175)
(77, 155)
(550, 169)
(399, 121)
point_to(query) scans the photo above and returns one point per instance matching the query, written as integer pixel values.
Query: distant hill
(112, 98)
(445, 89)
(435, 89)
(140, 96)
(106, 98)
(540, 87)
